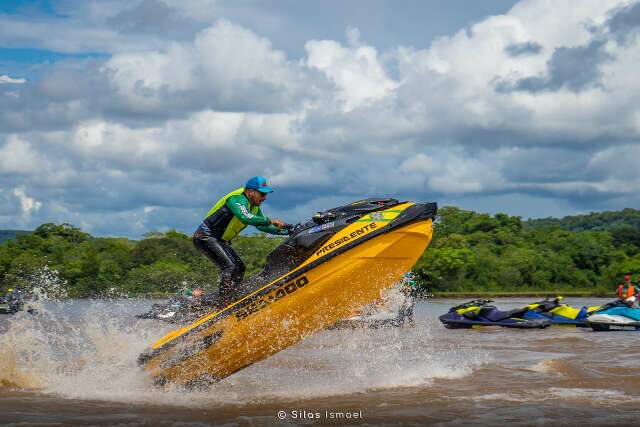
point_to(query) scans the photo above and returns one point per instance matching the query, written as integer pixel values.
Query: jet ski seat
(495, 315)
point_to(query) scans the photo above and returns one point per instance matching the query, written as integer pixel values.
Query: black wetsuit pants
(222, 255)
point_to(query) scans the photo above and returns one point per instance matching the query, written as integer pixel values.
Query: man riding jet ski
(331, 265)
(558, 312)
(616, 315)
(479, 313)
(224, 221)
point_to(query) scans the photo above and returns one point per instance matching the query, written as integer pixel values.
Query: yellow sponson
(566, 311)
(326, 288)
(474, 308)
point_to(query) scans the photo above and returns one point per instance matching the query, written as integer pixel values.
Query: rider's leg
(231, 266)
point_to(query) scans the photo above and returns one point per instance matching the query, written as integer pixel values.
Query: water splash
(83, 349)
(356, 361)
(48, 284)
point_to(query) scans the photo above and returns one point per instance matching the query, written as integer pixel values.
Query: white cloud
(119, 146)
(213, 129)
(27, 204)
(4, 79)
(199, 10)
(459, 73)
(554, 24)
(86, 26)
(224, 67)
(164, 126)
(18, 157)
(293, 173)
(229, 53)
(453, 172)
(69, 38)
(356, 70)
(619, 163)
(131, 73)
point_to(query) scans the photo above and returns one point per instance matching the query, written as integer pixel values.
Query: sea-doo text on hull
(328, 267)
(395, 310)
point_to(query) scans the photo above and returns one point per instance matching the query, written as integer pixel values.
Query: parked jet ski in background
(335, 263)
(479, 312)
(178, 310)
(616, 315)
(559, 313)
(15, 301)
(9, 307)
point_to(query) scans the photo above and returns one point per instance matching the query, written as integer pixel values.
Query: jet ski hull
(619, 317)
(479, 313)
(5, 309)
(454, 322)
(324, 289)
(15, 307)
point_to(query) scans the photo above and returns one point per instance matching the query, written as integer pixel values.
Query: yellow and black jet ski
(329, 266)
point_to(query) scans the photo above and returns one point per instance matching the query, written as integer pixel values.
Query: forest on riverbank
(470, 252)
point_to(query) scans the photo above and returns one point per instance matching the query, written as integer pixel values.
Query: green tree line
(107, 266)
(469, 252)
(480, 252)
(10, 234)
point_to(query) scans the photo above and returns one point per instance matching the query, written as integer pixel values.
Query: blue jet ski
(559, 313)
(615, 315)
(479, 312)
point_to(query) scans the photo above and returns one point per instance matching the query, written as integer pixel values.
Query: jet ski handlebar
(292, 228)
(475, 302)
(323, 217)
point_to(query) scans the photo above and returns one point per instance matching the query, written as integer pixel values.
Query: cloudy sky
(125, 116)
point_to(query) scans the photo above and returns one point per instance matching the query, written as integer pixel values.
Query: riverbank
(596, 293)
(584, 293)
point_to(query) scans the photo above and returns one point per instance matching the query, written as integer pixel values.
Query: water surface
(75, 363)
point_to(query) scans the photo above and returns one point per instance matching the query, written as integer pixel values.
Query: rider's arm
(271, 229)
(238, 205)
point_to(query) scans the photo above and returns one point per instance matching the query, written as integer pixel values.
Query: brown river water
(75, 364)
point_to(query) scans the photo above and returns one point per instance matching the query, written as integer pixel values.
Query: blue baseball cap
(258, 183)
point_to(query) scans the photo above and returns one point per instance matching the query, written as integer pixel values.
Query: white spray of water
(88, 350)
